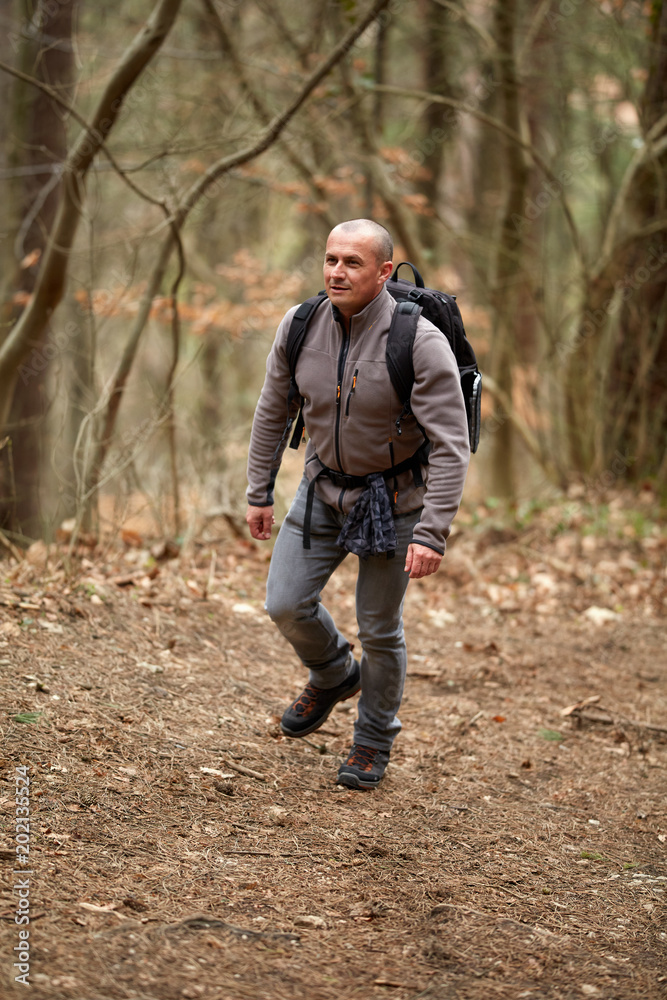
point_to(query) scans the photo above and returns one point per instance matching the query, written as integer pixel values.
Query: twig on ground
(18, 555)
(604, 716)
(248, 771)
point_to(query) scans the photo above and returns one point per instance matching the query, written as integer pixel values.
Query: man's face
(352, 274)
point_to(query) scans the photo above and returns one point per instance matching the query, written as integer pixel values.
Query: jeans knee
(277, 610)
(285, 613)
(381, 636)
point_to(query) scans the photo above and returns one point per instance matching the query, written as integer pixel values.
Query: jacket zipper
(342, 357)
(351, 392)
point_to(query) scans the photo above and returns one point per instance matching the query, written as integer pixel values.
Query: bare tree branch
(526, 49)
(245, 79)
(55, 96)
(115, 393)
(654, 147)
(33, 322)
(179, 217)
(421, 95)
(473, 23)
(529, 439)
(279, 122)
(168, 403)
(401, 221)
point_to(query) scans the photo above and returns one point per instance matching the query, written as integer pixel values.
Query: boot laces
(306, 699)
(362, 757)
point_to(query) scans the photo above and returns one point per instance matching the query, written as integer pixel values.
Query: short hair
(382, 241)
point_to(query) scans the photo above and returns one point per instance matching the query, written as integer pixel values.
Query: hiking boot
(363, 768)
(313, 706)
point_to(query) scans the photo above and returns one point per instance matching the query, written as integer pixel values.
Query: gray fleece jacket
(350, 412)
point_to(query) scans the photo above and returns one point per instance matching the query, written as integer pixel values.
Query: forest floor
(180, 847)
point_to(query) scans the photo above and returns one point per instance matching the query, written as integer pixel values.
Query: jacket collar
(368, 315)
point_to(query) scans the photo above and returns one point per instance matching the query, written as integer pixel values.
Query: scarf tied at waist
(369, 528)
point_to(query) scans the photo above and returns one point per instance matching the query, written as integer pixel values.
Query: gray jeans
(296, 579)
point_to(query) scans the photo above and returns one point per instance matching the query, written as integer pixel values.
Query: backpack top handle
(419, 281)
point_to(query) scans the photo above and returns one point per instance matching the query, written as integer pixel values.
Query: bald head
(357, 262)
(382, 244)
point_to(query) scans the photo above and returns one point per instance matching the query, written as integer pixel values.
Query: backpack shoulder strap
(295, 338)
(400, 340)
(299, 328)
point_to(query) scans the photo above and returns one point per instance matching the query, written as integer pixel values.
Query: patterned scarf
(369, 527)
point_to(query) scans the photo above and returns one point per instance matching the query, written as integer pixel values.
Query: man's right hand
(260, 521)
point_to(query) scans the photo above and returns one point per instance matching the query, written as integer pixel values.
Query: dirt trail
(180, 847)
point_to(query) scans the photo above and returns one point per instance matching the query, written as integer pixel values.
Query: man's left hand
(421, 561)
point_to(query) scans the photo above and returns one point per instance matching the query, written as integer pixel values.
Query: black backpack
(413, 300)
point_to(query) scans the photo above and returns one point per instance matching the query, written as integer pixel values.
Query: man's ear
(386, 269)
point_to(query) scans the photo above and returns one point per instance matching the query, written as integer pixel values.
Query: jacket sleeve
(437, 403)
(271, 423)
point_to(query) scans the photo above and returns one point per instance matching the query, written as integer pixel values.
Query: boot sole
(350, 780)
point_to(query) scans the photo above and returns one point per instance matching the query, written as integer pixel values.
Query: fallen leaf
(214, 770)
(50, 626)
(132, 538)
(580, 704)
(551, 734)
(599, 616)
(309, 920)
(155, 668)
(440, 618)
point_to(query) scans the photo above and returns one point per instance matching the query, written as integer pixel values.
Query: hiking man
(368, 488)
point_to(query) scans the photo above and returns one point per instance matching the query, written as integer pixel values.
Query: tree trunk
(508, 266)
(637, 426)
(377, 119)
(436, 125)
(30, 332)
(50, 284)
(190, 199)
(616, 383)
(38, 148)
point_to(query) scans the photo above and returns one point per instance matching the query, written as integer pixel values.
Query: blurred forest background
(170, 172)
